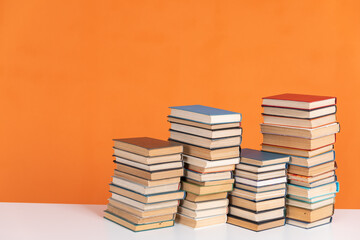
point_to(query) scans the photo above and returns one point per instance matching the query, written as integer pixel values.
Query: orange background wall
(75, 74)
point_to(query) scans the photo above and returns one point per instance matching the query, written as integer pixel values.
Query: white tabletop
(69, 221)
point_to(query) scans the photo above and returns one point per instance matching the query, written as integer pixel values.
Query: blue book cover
(261, 155)
(210, 111)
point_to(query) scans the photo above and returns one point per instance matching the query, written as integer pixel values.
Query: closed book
(205, 142)
(152, 167)
(147, 147)
(309, 133)
(310, 193)
(210, 154)
(146, 182)
(314, 199)
(313, 161)
(137, 227)
(202, 198)
(299, 113)
(296, 152)
(204, 190)
(144, 206)
(310, 179)
(307, 215)
(138, 220)
(311, 206)
(260, 183)
(298, 143)
(261, 189)
(202, 213)
(257, 216)
(260, 176)
(257, 206)
(142, 213)
(314, 184)
(255, 226)
(260, 169)
(211, 169)
(204, 163)
(307, 225)
(147, 160)
(204, 125)
(204, 114)
(151, 198)
(207, 176)
(298, 122)
(205, 205)
(200, 222)
(258, 196)
(299, 101)
(213, 134)
(150, 175)
(121, 182)
(312, 171)
(211, 183)
(261, 158)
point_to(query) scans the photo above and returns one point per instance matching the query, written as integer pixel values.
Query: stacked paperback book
(145, 187)
(211, 139)
(258, 199)
(304, 126)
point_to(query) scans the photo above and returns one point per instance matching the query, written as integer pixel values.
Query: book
(258, 196)
(147, 160)
(311, 206)
(205, 142)
(138, 220)
(137, 227)
(309, 133)
(150, 198)
(260, 183)
(210, 154)
(204, 163)
(260, 169)
(314, 199)
(309, 193)
(312, 171)
(315, 183)
(255, 226)
(296, 152)
(260, 176)
(211, 183)
(147, 147)
(307, 215)
(307, 225)
(208, 176)
(261, 158)
(211, 169)
(142, 213)
(200, 222)
(299, 113)
(313, 161)
(298, 143)
(121, 182)
(220, 133)
(298, 101)
(145, 182)
(257, 206)
(144, 206)
(153, 167)
(202, 213)
(299, 122)
(205, 205)
(154, 175)
(204, 125)
(204, 114)
(261, 189)
(257, 216)
(204, 190)
(308, 179)
(202, 198)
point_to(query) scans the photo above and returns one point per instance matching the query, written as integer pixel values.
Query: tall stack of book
(145, 187)
(304, 126)
(258, 199)
(211, 138)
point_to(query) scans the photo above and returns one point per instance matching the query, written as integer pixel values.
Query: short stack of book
(211, 138)
(258, 199)
(304, 126)
(145, 187)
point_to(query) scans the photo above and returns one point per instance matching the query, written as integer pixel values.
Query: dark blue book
(262, 158)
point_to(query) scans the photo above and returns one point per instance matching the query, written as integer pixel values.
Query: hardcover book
(261, 158)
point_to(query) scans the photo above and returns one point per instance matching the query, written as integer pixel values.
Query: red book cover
(299, 97)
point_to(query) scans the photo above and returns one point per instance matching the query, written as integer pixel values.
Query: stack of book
(211, 138)
(145, 187)
(258, 200)
(304, 126)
